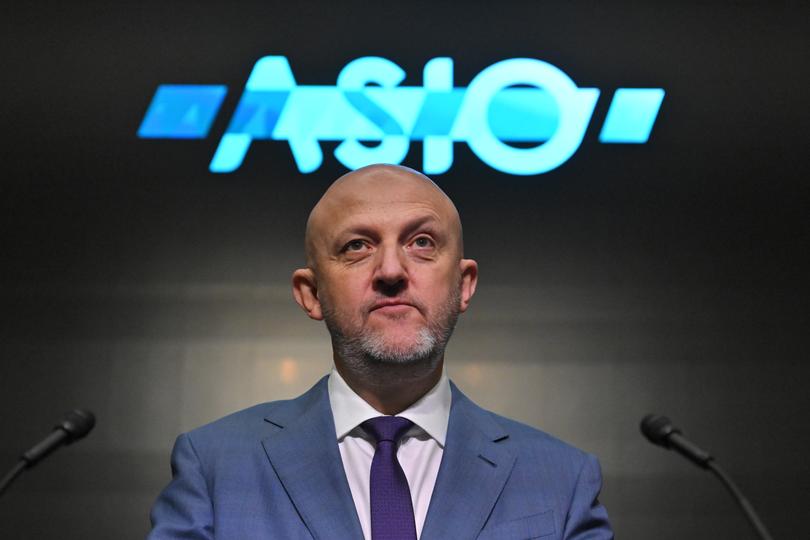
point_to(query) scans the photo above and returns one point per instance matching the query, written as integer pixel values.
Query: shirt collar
(431, 412)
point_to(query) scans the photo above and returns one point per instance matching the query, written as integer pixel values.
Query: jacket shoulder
(526, 438)
(531, 437)
(255, 422)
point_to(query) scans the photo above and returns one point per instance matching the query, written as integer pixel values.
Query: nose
(390, 275)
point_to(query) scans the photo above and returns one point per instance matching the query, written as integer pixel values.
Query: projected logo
(520, 116)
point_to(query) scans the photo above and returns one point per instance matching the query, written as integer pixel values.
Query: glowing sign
(516, 100)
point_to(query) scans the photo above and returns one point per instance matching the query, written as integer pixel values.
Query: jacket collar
(476, 464)
(304, 453)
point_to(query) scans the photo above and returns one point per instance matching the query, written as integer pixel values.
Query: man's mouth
(392, 306)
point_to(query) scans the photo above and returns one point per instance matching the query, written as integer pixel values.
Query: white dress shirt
(420, 449)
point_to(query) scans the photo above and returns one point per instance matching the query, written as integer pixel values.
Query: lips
(391, 305)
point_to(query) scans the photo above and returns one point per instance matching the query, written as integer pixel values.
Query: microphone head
(77, 424)
(657, 429)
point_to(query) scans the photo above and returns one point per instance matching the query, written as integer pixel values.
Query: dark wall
(665, 277)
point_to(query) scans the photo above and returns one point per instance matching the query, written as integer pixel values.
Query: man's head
(385, 269)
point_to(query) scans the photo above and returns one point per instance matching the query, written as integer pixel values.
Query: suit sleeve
(587, 519)
(184, 509)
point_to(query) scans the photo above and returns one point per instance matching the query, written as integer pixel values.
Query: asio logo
(519, 100)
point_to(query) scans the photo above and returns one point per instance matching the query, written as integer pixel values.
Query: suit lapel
(476, 463)
(304, 453)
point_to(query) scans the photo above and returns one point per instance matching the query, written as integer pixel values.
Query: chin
(401, 349)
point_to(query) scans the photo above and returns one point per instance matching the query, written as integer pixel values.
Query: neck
(391, 388)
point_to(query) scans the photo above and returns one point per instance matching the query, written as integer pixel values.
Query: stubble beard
(369, 354)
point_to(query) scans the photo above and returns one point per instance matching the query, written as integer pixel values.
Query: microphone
(660, 431)
(75, 425)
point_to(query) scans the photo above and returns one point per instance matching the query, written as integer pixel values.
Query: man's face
(390, 279)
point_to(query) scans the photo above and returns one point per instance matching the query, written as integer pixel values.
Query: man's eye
(423, 242)
(354, 245)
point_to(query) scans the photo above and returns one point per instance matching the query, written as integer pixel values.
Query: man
(385, 447)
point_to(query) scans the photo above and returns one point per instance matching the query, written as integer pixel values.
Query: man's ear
(469, 279)
(305, 291)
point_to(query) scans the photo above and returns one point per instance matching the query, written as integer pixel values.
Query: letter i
(437, 149)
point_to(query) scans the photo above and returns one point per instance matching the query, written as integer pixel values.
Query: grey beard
(367, 348)
(367, 352)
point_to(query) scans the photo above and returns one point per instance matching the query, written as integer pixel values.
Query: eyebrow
(408, 229)
(418, 223)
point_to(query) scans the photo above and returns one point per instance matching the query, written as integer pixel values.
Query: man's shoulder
(532, 437)
(526, 438)
(256, 421)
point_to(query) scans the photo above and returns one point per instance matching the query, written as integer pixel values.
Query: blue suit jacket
(274, 471)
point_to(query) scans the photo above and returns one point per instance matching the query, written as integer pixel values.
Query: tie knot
(387, 428)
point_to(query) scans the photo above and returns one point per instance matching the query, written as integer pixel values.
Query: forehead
(380, 197)
(393, 214)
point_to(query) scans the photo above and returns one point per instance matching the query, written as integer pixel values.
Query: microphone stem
(12, 474)
(746, 506)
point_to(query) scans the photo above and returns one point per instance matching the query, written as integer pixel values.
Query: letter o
(575, 107)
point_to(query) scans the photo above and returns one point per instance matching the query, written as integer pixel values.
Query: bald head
(377, 190)
(385, 272)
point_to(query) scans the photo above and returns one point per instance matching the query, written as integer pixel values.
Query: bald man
(385, 446)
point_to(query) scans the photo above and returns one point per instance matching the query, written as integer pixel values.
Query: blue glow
(182, 111)
(575, 109)
(516, 100)
(258, 113)
(372, 104)
(230, 152)
(438, 112)
(523, 114)
(270, 73)
(631, 115)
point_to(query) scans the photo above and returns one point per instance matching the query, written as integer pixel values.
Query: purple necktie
(391, 508)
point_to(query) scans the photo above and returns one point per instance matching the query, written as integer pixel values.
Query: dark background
(667, 277)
